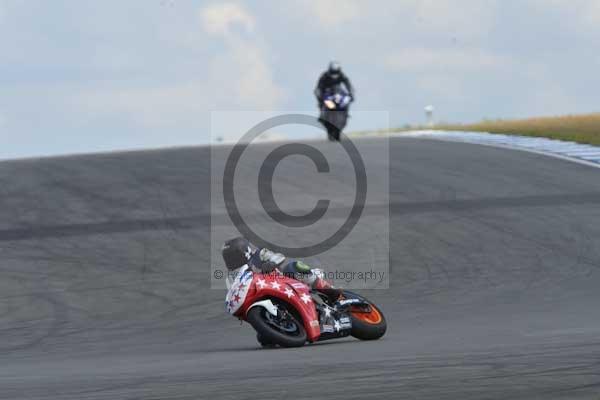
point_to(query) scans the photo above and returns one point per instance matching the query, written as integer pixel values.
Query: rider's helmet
(334, 69)
(237, 252)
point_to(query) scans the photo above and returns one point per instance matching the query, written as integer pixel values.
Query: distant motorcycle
(334, 112)
(285, 312)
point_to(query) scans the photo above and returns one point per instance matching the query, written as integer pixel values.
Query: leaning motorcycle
(334, 112)
(285, 312)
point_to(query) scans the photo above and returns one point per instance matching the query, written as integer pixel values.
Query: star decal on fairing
(238, 291)
(275, 285)
(289, 292)
(337, 325)
(305, 298)
(261, 283)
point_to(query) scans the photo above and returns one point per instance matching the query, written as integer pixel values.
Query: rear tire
(368, 331)
(272, 336)
(366, 326)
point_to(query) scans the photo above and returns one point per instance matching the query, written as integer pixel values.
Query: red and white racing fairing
(286, 312)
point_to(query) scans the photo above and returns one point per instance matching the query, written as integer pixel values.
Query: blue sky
(83, 76)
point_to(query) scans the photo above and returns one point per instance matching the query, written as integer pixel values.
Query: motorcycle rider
(238, 252)
(330, 80)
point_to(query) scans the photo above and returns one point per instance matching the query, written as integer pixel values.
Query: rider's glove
(267, 267)
(270, 260)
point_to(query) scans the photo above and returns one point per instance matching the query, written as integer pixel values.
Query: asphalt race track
(494, 285)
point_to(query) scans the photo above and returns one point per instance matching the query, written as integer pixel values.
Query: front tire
(341, 118)
(285, 333)
(334, 122)
(264, 342)
(334, 135)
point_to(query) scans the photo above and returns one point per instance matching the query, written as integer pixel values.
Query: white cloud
(331, 14)
(588, 13)
(221, 18)
(150, 106)
(159, 67)
(441, 86)
(592, 14)
(583, 15)
(443, 59)
(241, 70)
(238, 77)
(464, 17)
(243, 73)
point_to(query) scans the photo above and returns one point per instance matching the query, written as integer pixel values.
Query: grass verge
(577, 128)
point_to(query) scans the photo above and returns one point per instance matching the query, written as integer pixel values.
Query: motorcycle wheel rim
(286, 326)
(372, 317)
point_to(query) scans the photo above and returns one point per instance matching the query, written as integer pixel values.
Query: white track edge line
(455, 139)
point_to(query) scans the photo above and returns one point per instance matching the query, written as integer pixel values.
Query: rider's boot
(328, 289)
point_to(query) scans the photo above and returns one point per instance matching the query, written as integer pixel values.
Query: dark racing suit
(266, 261)
(331, 81)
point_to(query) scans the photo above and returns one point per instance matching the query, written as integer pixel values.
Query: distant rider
(239, 251)
(330, 81)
